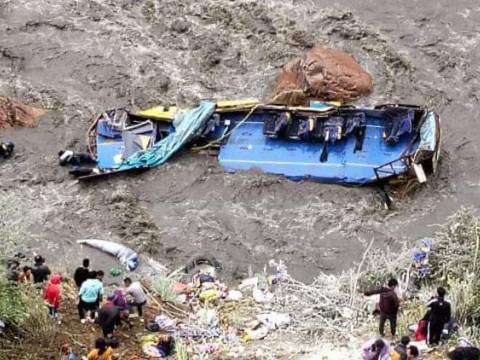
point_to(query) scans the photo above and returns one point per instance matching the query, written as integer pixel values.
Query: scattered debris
(274, 320)
(165, 323)
(126, 256)
(14, 113)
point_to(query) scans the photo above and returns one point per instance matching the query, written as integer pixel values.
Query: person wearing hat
(40, 271)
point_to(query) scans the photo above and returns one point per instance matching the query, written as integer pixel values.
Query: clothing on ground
(421, 331)
(165, 345)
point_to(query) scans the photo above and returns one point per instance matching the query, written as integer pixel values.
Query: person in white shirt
(135, 290)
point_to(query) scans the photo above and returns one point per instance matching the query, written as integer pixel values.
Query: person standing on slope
(389, 304)
(440, 313)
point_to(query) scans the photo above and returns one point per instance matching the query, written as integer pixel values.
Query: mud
(79, 57)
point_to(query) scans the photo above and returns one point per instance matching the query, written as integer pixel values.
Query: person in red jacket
(52, 295)
(389, 304)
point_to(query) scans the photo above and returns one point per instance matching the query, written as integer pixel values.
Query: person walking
(440, 313)
(135, 290)
(81, 273)
(40, 271)
(389, 304)
(52, 295)
(90, 296)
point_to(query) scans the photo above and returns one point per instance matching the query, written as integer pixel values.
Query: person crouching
(135, 290)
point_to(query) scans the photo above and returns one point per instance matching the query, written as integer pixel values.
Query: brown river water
(80, 57)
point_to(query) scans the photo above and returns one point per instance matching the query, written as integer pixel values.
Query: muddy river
(80, 57)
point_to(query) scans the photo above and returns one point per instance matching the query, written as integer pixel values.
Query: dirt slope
(79, 57)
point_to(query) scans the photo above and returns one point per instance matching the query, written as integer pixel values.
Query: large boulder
(14, 113)
(322, 74)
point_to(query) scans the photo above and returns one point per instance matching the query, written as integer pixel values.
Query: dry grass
(332, 307)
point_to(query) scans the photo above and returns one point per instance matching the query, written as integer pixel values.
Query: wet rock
(14, 113)
(163, 82)
(180, 26)
(324, 74)
(303, 39)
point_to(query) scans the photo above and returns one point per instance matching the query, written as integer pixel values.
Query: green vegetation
(21, 308)
(454, 264)
(181, 350)
(163, 286)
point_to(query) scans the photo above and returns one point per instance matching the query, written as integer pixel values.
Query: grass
(181, 350)
(22, 309)
(21, 306)
(12, 310)
(163, 286)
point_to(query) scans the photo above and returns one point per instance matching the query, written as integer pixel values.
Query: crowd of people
(119, 306)
(108, 312)
(429, 330)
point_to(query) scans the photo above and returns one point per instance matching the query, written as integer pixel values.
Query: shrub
(163, 286)
(23, 310)
(181, 350)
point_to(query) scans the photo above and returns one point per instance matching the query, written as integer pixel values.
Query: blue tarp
(186, 125)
